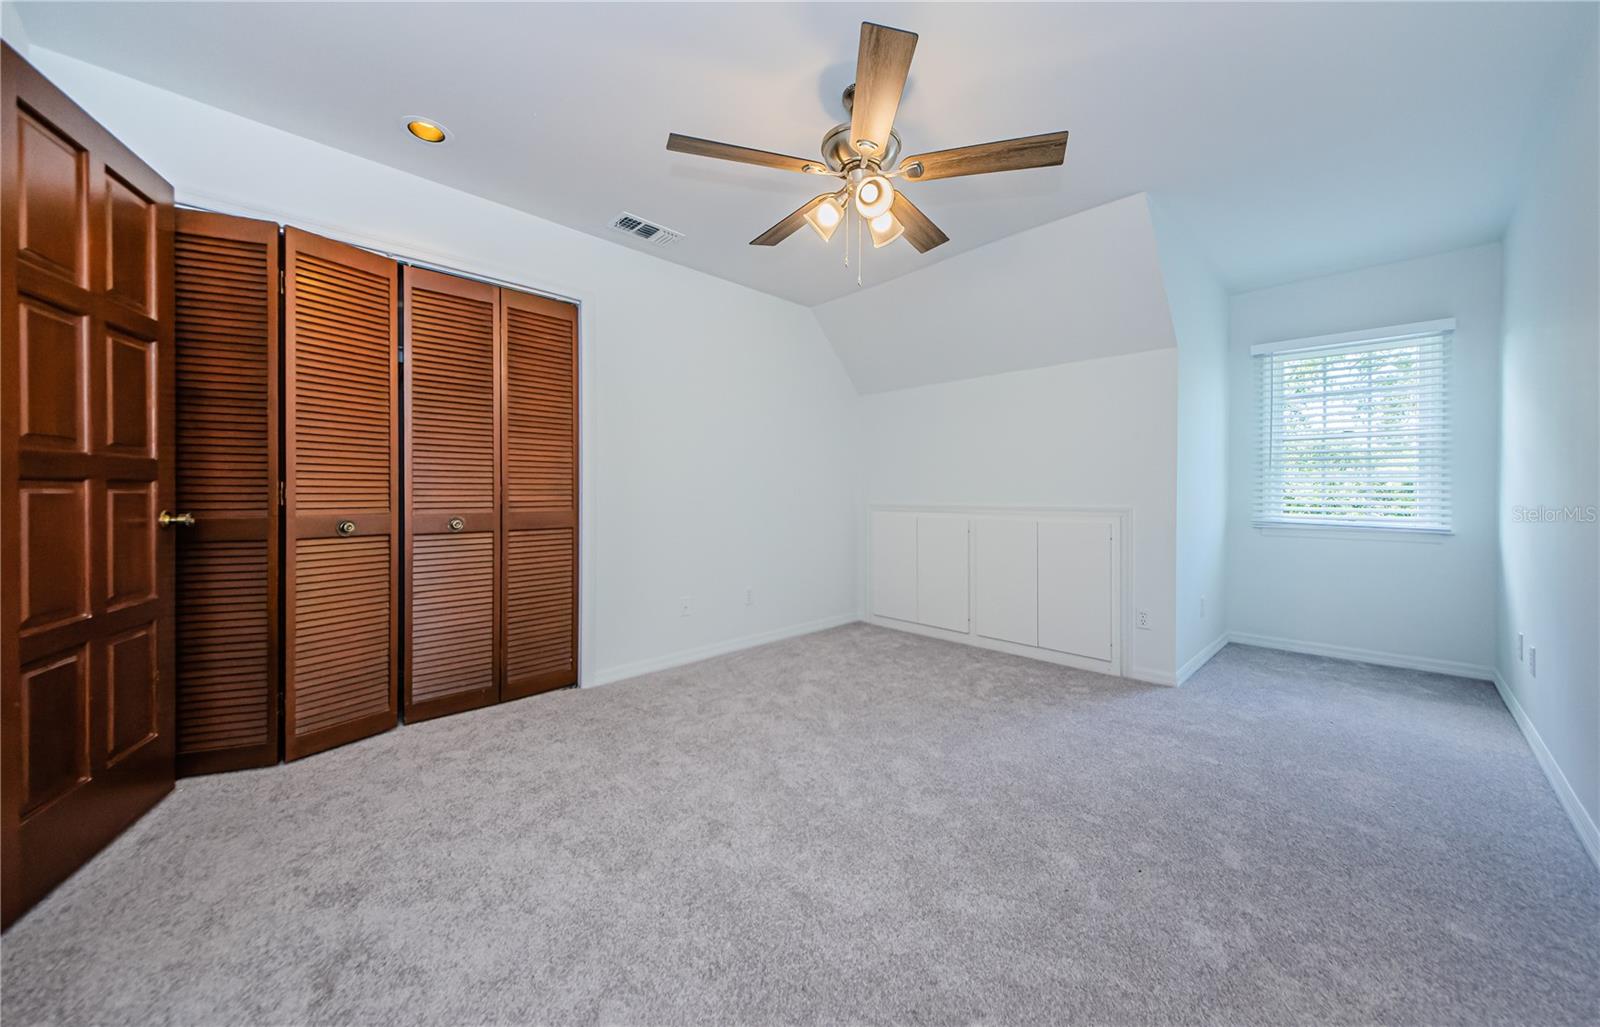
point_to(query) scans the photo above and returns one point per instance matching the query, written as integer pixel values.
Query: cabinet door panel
(1005, 567)
(1075, 594)
(942, 571)
(894, 565)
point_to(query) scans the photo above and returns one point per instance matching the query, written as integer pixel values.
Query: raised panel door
(86, 435)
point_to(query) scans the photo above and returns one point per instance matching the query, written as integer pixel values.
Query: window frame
(1441, 523)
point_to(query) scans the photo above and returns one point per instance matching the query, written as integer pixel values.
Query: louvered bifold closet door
(540, 517)
(342, 494)
(452, 516)
(227, 357)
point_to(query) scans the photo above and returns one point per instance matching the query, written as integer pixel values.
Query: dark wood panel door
(540, 494)
(227, 588)
(341, 494)
(86, 435)
(452, 444)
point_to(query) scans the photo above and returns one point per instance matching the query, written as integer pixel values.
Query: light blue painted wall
(1550, 439)
(1376, 594)
(1199, 308)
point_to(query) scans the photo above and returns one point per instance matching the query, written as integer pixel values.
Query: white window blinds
(1355, 429)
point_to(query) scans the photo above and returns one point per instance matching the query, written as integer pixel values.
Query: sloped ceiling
(1295, 138)
(1083, 287)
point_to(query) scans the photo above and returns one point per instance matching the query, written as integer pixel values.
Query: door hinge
(280, 493)
(280, 281)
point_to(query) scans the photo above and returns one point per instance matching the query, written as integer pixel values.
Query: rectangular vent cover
(657, 235)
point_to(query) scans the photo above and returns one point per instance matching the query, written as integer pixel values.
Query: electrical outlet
(749, 597)
(1519, 647)
(1141, 620)
(1533, 661)
(683, 606)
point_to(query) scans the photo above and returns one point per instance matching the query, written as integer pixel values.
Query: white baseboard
(705, 652)
(1584, 824)
(972, 638)
(1201, 658)
(1341, 652)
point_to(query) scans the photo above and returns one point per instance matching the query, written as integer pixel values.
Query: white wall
(1420, 601)
(1094, 433)
(1199, 309)
(717, 421)
(1036, 371)
(12, 30)
(1550, 447)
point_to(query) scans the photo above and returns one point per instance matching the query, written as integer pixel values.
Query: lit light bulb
(825, 217)
(427, 131)
(874, 196)
(885, 229)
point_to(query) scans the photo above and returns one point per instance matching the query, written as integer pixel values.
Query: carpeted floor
(859, 826)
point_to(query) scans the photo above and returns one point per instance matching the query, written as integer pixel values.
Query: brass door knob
(172, 520)
(346, 528)
(456, 524)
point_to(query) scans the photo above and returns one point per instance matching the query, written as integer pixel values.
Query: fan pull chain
(860, 224)
(847, 239)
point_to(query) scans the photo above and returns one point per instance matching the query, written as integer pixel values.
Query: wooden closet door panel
(227, 272)
(341, 493)
(452, 441)
(86, 465)
(541, 494)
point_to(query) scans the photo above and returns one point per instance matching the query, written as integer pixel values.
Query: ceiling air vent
(649, 231)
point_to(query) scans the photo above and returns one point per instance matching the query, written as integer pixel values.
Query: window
(1355, 428)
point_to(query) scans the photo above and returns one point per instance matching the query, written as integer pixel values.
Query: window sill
(1425, 536)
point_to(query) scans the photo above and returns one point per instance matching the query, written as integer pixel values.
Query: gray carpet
(859, 826)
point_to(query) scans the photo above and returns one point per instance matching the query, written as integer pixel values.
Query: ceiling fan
(865, 155)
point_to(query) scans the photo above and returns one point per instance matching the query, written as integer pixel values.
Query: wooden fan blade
(882, 64)
(742, 154)
(1041, 151)
(789, 225)
(920, 232)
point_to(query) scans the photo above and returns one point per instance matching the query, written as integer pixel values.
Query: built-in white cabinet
(1034, 584)
(1075, 588)
(1005, 571)
(894, 565)
(942, 557)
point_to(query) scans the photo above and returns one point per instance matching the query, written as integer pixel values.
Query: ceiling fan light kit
(865, 154)
(885, 230)
(826, 215)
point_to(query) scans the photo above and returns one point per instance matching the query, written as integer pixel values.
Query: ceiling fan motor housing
(840, 153)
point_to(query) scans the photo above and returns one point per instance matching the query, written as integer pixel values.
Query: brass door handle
(346, 528)
(172, 520)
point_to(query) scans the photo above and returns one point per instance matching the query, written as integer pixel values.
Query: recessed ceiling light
(427, 131)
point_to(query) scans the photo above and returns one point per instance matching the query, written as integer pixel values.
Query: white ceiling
(1293, 139)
